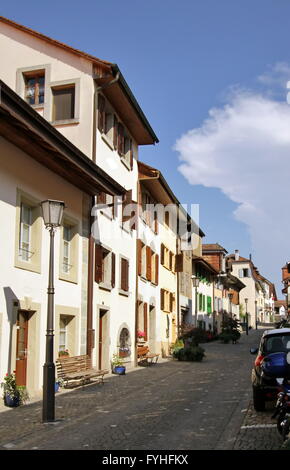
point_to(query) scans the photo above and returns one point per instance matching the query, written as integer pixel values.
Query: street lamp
(195, 283)
(247, 325)
(52, 212)
(230, 296)
(256, 320)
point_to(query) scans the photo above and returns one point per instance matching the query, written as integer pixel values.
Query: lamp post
(247, 325)
(230, 296)
(52, 212)
(195, 283)
(256, 320)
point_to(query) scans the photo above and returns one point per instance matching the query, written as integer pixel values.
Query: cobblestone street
(173, 405)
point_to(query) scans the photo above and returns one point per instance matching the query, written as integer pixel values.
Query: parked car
(272, 361)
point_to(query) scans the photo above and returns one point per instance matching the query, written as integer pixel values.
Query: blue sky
(180, 60)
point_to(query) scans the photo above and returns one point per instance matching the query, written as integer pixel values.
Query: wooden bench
(78, 370)
(144, 355)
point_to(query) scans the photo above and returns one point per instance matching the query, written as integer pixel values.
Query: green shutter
(203, 303)
(208, 304)
(200, 302)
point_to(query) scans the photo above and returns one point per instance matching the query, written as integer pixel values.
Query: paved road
(173, 405)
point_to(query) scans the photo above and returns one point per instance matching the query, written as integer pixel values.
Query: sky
(211, 77)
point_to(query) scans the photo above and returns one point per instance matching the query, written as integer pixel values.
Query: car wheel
(259, 400)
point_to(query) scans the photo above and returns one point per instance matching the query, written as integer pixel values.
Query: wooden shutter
(139, 255)
(131, 153)
(171, 300)
(145, 321)
(113, 266)
(127, 199)
(155, 222)
(124, 274)
(148, 263)
(179, 263)
(101, 113)
(162, 293)
(121, 139)
(156, 269)
(98, 263)
(115, 136)
(162, 254)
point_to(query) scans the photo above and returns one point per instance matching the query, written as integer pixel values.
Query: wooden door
(21, 348)
(102, 339)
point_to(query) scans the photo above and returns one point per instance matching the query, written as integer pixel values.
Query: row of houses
(128, 257)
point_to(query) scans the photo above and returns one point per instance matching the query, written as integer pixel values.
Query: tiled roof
(213, 247)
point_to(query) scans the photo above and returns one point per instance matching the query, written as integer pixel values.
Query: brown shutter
(98, 263)
(124, 274)
(115, 137)
(179, 263)
(139, 255)
(113, 265)
(155, 222)
(162, 299)
(120, 139)
(156, 269)
(101, 113)
(145, 322)
(131, 154)
(171, 299)
(162, 254)
(127, 199)
(148, 263)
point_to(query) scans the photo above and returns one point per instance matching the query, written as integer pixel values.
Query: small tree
(230, 330)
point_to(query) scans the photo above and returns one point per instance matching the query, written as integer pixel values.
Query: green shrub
(192, 353)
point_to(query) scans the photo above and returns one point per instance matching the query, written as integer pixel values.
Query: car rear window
(277, 343)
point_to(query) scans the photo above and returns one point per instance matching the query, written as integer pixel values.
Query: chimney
(237, 255)
(250, 257)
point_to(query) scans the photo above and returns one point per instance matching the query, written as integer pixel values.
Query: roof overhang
(25, 128)
(202, 262)
(124, 102)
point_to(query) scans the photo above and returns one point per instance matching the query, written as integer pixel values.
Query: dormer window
(34, 88)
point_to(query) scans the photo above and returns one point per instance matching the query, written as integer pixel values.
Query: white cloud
(244, 150)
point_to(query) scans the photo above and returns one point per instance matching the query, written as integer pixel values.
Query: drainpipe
(91, 248)
(91, 253)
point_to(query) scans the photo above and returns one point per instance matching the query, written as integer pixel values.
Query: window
(28, 232)
(107, 200)
(114, 132)
(104, 267)
(167, 258)
(154, 267)
(34, 88)
(167, 300)
(25, 233)
(244, 272)
(63, 321)
(208, 305)
(66, 248)
(63, 106)
(68, 259)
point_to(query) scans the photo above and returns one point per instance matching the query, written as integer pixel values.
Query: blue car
(272, 362)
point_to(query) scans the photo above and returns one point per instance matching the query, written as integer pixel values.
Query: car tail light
(259, 360)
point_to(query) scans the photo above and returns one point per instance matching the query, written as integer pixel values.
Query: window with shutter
(124, 274)
(98, 263)
(156, 269)
(162, 292)
(139, 256)
(113, 268)
(63, 106)
(148, 263)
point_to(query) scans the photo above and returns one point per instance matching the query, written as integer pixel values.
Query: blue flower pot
(56, 387)
(120, 370)
(12, 402)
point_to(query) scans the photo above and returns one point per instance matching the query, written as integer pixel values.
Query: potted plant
(63, 353)
(58, 383)
(141, 336)
(13, 395)
(117, 365)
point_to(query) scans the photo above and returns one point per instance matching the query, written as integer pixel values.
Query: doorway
(104, 339)
(21, 347)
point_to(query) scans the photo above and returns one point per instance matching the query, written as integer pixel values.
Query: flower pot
(12, 402)
(120, 370)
